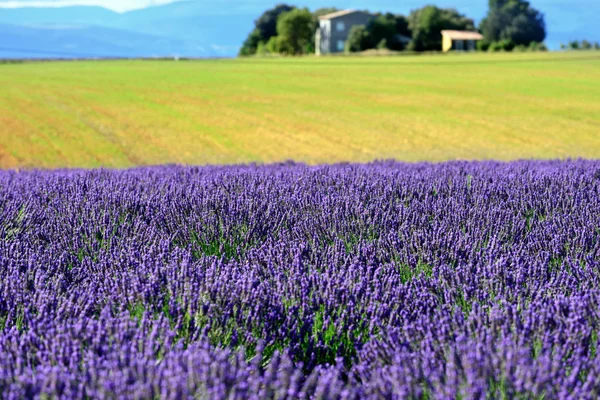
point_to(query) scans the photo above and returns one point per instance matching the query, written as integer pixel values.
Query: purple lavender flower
(386, 280)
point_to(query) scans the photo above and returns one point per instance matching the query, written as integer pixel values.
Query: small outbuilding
(460, 40)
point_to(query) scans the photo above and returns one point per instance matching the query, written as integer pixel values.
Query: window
(341, 45)
(459, 45)
(340, 26)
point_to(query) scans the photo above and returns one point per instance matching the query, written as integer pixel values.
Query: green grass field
(316, 110)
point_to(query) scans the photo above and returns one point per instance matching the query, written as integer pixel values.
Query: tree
(265, 28)
(384, 31)
(295, 31)
(580, 45)
(427, 23)
(359, 39)
(402, 27)
(513, 20)
(252, 43)
(382, 28)
(267, 23)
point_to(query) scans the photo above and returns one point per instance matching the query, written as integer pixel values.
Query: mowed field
(315, 110)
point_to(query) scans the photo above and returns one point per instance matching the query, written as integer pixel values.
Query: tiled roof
(336, 14)
(463, 35)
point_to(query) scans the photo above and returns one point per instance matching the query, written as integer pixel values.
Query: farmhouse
(334, 29)
(459, 40)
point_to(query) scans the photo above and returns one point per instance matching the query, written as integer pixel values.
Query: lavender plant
(387, 280)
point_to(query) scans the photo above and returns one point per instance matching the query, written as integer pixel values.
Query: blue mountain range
(183, 29)
(211, 28)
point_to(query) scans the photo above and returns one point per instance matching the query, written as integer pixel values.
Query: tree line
(508, 25)
(580, 45)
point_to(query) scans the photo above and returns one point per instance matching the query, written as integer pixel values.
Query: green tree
(427, 23)
(265, 27)
(295, 31)
(252, 43)
(513, 20)
(402, 27)
(359, 39)
(580, 45)
(384, 31)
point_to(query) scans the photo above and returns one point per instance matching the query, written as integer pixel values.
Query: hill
(316, 110)
(185, 29)
(75, 41)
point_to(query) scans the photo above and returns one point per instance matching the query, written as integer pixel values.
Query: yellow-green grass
(315, 110)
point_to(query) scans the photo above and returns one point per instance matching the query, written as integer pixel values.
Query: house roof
(403, 39)
(337, 14)
(463, 35)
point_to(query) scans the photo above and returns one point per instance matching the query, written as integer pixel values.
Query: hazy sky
(125, 5)
(116, 5)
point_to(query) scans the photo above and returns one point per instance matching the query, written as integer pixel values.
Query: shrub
(495, 47)
(580, 45)
(262, 49)
(483, 45)
(521, 48)
(535, 46)
(502, 45)
(586, 45)
(273, 45)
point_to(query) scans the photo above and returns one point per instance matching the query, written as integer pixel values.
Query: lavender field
(387, 280)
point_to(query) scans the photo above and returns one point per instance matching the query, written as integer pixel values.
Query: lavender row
(386, 280)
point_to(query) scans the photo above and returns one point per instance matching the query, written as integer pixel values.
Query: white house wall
(325, 27)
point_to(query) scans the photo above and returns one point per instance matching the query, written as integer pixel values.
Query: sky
(567, 6)
(115, 5)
